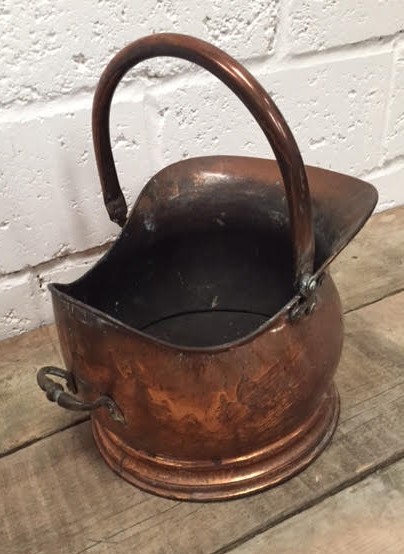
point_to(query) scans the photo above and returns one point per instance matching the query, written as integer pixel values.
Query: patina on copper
(206, 340)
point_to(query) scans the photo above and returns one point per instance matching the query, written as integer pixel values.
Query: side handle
(56, 393)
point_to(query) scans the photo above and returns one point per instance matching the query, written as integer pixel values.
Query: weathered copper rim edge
(66, 297)
(279, 318)
(53, 287)
(262, 475)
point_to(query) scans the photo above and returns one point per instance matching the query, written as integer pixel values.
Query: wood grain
(25, 415)
(372, 265)
(58, 495)
(367, 518)
(370, 268)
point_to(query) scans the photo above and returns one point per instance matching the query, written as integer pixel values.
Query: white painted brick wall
(320, 24)
(335, 68)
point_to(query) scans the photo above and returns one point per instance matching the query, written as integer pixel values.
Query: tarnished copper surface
(212, 324)
(264, 405)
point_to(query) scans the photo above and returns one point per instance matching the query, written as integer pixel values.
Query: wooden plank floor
(366, 517)
(57, 495)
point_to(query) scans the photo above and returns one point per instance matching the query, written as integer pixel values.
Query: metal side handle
(56, 393)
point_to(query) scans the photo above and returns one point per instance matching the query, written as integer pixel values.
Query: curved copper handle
(255, 98)
(56, 393)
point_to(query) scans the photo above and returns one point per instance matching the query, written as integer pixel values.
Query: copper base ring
(209, 481)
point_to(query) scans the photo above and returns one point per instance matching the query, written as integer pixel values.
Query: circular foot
(207, 480)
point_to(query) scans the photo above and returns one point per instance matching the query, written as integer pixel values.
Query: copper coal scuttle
(205, 341)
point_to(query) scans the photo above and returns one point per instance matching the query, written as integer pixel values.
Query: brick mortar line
(47, 265)
(388, 105)
(373, 45)
(280, 43)
(389, 165)
(133, 89)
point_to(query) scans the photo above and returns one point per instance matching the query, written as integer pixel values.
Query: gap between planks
(395, 458)
(365, 304)
(44, 436)
(366, 517)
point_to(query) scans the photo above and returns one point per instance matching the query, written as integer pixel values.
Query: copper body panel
(231, 420)
(212, 323)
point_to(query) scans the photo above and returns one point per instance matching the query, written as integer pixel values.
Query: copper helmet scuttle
(205, 341)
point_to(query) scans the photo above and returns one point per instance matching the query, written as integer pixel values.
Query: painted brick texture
(334, 67)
